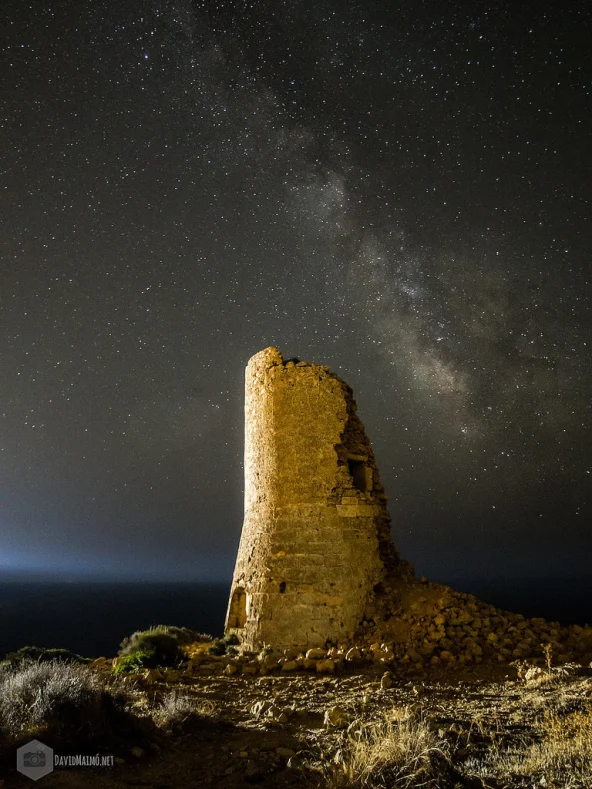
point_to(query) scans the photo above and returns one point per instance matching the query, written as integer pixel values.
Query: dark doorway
(237, 616)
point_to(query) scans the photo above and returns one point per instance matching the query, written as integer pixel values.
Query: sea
(92, 618)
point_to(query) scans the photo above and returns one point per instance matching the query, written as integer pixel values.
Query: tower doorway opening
(237, 615)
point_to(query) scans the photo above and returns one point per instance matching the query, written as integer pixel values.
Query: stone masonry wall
(315, 545)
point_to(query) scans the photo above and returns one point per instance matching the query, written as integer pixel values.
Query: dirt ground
(286, 740)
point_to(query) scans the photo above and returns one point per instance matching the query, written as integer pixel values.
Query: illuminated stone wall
(315, 545)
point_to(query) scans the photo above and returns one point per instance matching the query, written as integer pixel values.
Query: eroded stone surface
(316, 543)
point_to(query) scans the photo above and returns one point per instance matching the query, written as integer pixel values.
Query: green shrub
(157, 647)
(181, 635)
(40, 654)
(133, 664)
(154, 650)
(224, 646)
(218, 647)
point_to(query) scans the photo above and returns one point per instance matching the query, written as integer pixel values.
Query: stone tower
(315, 548)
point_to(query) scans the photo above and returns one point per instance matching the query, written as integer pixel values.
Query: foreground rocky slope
(484, 726)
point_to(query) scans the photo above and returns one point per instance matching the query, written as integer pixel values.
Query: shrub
(161, 645)
(40, 654)
(175, 712)
(64, 699)
(153, 650)
(132, 664)
(181, 635)
(224, 646)
(218, 647)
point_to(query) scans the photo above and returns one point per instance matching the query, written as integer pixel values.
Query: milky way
(397, 191)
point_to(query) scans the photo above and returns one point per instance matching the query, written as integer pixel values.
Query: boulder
(352, 655)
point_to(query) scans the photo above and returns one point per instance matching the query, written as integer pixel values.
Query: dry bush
(399, 751)
(64, 699)
(176, 711)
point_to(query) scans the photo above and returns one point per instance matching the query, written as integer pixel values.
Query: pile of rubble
(422, 623)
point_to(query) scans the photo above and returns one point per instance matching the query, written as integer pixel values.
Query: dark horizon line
(97, 576)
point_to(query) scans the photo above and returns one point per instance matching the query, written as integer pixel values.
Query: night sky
(400, 190)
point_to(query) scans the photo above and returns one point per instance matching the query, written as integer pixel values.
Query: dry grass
(176, 711)
(564, 753)
(562, 758)
(555, 749)
(399, 751)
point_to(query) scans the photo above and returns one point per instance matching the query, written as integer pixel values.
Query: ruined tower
(315, 546)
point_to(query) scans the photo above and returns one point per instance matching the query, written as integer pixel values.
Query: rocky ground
(221, 726)
(437, 690)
